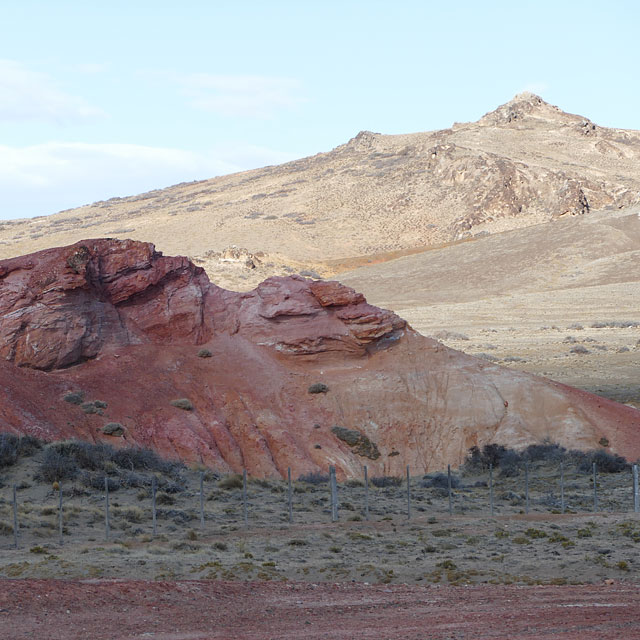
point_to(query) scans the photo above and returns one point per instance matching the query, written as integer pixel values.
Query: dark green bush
(318, 387)
(139, 459)
(315, 477)
(84, 454)
(96, 481)
(56, 466)
(386, 481)
(74, 397)
(13, 446)
(605, 462)
(440, 481)
(232, 481)
(183, 403)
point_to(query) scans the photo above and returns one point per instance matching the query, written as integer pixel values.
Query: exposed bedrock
(267, 374)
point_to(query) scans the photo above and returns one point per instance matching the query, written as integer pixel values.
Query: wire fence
(221, 505)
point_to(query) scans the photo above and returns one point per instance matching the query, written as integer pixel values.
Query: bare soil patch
(111, 610)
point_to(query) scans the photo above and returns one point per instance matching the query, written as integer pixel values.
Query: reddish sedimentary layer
(122, 324)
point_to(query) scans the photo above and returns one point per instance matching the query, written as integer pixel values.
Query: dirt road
(181, 610)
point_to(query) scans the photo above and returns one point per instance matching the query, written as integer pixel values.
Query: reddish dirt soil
(56, 609)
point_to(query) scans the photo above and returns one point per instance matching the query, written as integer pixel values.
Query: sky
(115, 98)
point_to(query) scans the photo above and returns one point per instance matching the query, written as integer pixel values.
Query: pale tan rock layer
(127, 326)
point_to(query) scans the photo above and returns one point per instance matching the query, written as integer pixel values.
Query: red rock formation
(120, 323)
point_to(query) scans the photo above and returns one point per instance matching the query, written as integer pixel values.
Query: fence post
(60, 514)
(153, 505)
(491, 487)
(366, 493)
(562, 487)
(408, 494)
(526, 486)
(245, 507)
(290, 495)
(15, 518)
(636, 505)
(595, 489)
(449, 487)
(334, 494)
(202, 499)
(106, 508)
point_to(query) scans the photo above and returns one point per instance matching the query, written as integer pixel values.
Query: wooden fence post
(289, 495)
(636, 505)
(245, 506)
(491, 488)
(15, 518)
(60, 525)
(153, 505)
(595, 488)
(408, 494)
(526, 487)
(202, 499)
(449, 488)
(366, 493)
(334, 494)
(562, 487)
(106, 509)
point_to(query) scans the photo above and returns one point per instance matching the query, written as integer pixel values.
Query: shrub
(579, 349)
(56, 466)
(183, 403)
(140, 459)
(96, 481)
(544, 452)
(84, 454)
(315, 477)
(204, 353)
(509, 463)
(386, 481)
(74, 397)
(13, 446)
(165, 499)
(8, 449)
(605, 462)
(318, 387)
(440, 481)
(232, 481)
(359, 442)
(113, 429)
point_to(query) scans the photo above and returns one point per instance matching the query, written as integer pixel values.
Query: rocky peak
(521, 106)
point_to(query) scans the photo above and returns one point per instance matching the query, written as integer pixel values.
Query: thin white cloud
(245, 96)
(45, 178)
(31, 95)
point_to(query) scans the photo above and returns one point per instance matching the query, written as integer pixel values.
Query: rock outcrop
(108, 332)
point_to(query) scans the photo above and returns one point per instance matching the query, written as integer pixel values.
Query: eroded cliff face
(269, 373)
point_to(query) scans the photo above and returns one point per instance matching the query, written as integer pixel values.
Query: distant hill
(525, 163)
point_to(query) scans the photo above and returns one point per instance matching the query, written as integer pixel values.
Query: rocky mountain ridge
(525, 163)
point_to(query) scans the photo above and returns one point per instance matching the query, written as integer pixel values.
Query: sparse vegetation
(231, 481)
(318, 387)
(182, 403)
(382, 482)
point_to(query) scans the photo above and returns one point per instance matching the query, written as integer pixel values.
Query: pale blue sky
(110, 99)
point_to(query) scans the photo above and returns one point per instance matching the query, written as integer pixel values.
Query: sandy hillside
(524, 163)
(557, 299)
